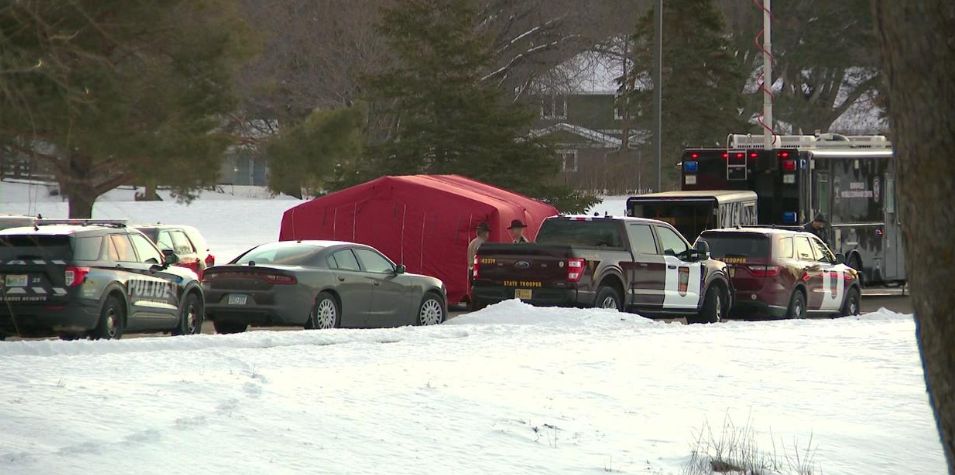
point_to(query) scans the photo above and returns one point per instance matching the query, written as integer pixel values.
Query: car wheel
(432, 310)
(190, 321)
(325, 314)
(797, 306)
(227, 327)
(112, 319)
(608, 297)
(712, 309)
(853, 303)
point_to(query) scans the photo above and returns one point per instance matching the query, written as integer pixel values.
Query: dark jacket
(821, 233)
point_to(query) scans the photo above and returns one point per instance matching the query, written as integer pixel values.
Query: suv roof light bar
(116, 223)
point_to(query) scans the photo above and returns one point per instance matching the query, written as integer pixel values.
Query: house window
(568, 160)
(553, 107)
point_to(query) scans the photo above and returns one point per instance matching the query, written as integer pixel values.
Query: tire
(797, 306)
(712, 309)
(191, 317)
(432, 311)
(227, 327)
(853, 303)
(112, 320)
(608, 297)
(325, 314)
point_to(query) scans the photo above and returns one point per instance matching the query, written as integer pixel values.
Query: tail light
(280, 279)
(764, 271)
(74, 276)
(476, 269)
(575, 269)
(789, 165)
(210, 260)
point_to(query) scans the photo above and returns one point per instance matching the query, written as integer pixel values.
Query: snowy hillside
(511, 389)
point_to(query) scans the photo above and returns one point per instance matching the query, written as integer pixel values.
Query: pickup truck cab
(630, 264)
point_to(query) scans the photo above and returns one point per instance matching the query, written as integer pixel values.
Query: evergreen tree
(441, 116)
(111, 92)
(702, 80)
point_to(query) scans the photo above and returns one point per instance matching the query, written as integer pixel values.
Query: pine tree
(702, 78)
(442, 118)
(112, 92)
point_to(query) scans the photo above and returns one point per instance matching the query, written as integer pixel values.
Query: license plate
(523, 294)
(238, 299)
(15, 280)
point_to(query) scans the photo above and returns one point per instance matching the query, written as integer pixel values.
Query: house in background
(583, 121)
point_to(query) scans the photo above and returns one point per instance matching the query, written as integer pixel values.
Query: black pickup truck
(634, 264)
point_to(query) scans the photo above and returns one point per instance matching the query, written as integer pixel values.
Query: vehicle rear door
(389, 298)
(647, 272)
(353, 288)
(148, 294)
(684, 278)
(32, 268)
(812, 272)
(831, 288)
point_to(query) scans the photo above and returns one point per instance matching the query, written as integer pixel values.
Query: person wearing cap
(516, 229)
(820, 227)
(483, 232)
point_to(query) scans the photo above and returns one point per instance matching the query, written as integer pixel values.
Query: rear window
(281, 254)
(690, 218)
(723, 245)
(600, 233)
(35, 247)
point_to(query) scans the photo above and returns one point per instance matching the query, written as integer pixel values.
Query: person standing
(516, 229)
(483, 233)
(819, 227)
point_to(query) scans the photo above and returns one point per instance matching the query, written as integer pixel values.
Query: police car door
(684, 279)
(832, 285)
(147, 294)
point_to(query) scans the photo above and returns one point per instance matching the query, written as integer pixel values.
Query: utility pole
(767, 77)
(658, 95)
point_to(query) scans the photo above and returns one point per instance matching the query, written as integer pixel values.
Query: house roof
(600, 138)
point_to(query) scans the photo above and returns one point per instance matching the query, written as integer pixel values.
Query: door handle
(377, 283)
(341, 279)
(671, 267)
(643, 264)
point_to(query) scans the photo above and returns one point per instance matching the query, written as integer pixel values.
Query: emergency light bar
(117, 223)
(809, 142)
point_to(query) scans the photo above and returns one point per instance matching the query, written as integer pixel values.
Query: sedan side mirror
(400, 269)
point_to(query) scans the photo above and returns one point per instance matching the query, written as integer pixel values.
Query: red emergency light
(789, 165)
(694, 156)
(783, 154)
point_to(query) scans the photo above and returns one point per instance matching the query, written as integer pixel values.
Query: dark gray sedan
(319, 284)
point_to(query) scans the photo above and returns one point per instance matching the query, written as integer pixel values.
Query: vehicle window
(641, 239)
(784, 248)
(120, 249)
(181, 243)
(147, 252)
(165, 241)
(690, 218)
(671, 242)
(597, 233)
(374, 262)
(34, 247)
(281, 253)
(345, 260)
(737, 245)
(804, 249)
(823, 254)
(87, 248)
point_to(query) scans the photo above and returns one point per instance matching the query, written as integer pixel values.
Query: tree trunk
(81, 207)
(919, 62)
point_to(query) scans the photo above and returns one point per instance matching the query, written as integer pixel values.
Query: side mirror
(400, 269)
(841, 258)
(170, 257)
(703, 248)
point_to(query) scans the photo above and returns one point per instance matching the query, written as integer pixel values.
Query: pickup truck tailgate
(523, 265)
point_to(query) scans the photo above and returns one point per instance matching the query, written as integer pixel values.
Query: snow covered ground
(510, 389)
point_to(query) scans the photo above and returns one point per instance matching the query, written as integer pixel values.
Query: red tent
(422, 221)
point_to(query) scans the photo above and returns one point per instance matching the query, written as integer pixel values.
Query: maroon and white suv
(185, 241)
(784, 273)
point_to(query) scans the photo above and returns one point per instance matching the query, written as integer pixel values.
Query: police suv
(92, 278)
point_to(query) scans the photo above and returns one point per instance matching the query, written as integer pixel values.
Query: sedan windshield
(290, 254)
